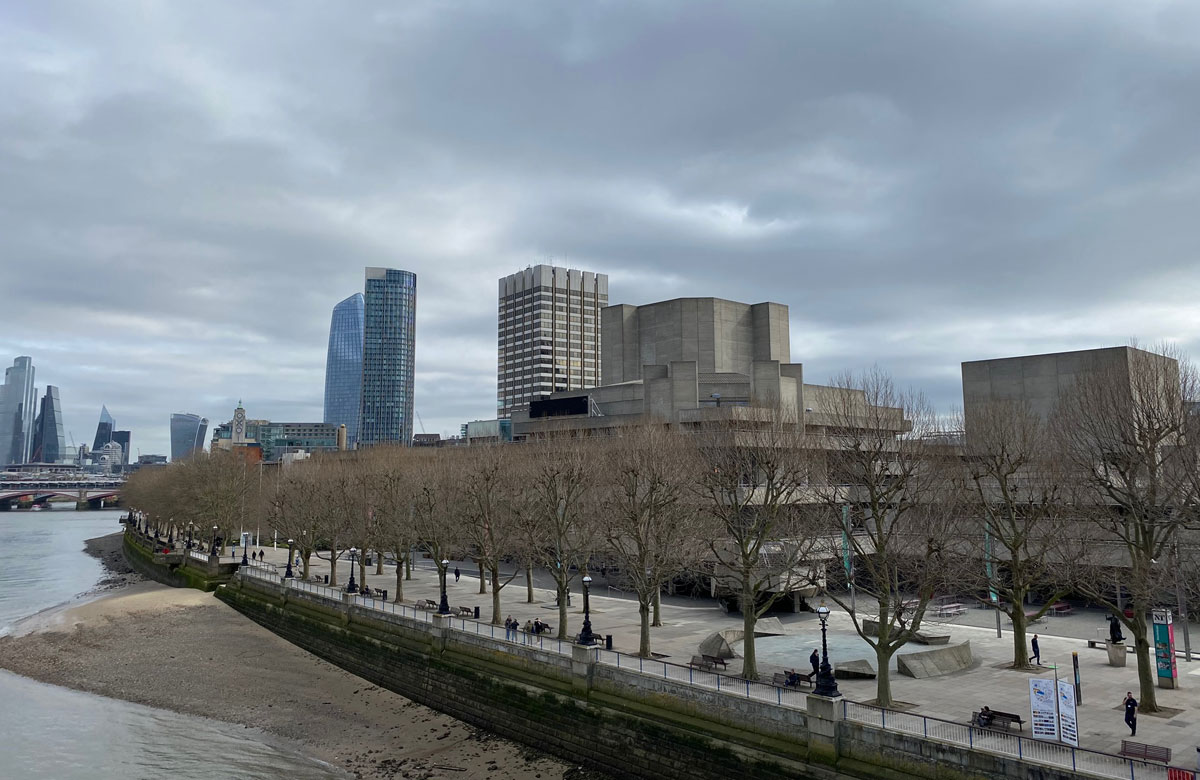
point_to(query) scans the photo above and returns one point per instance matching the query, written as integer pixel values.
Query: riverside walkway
(942, 703)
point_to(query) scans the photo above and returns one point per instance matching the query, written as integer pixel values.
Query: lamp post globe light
(586, 637)
(350, 586)
(444, 606)
(287, 574)
(826, 683)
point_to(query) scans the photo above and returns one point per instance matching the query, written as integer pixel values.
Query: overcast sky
(187, 189)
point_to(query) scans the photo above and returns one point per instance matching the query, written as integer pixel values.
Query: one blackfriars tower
(344, 366)
(389, 335)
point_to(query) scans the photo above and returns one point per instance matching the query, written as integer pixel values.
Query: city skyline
(914, 207)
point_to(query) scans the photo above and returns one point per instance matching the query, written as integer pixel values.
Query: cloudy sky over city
(187, 189)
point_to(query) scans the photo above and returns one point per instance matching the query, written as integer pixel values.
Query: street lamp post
(444, 607)
(586, 637)
(826, 684)
(214, 541)
(190, 526)
(245, 549)
(287, 574)
(350, 586)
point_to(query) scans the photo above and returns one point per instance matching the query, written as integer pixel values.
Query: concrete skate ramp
(935, 663)
(731, 636)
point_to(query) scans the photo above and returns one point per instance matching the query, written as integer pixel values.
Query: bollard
(326, 579)
(477, 613)
(608, 646)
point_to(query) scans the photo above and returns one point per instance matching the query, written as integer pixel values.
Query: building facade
(344, 366)
(104, 429)
(18, 399)
(187, 434)
(122, 438)
(49, 441)
(549, 336)
(389, 336)
(274, 440)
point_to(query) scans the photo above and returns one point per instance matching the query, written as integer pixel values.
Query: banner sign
(1042, 709)
(1066, 713)
(1164, 644)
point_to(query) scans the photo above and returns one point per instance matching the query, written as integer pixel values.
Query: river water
(53, 733)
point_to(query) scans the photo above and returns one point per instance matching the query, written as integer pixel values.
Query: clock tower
(239, 425)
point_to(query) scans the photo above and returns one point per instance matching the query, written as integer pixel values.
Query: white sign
(1043, 710)
(1066, 713)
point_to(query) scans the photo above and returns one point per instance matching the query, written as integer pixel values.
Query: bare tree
(752, 472)
(489, 486)
(436, 523)
(1127, 431)
(393, 499)
(884, 466)
(648, 523)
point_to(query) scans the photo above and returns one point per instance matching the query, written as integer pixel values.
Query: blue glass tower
(187, 434)
(104, 430)
(49, 444)
(389, 332)
(344, 366)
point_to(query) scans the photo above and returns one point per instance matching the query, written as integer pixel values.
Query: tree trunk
(306, 564)
(332, 569)
(749, 657)
(482, 581)
(1148, 701)
(399, 583)
(1020, 652)
(528, 584)
(657, 605)
(362, 571)
(379, 563)
(644, 637)
(408, 565)
(496, 596)
(883, 680)
(562, 610)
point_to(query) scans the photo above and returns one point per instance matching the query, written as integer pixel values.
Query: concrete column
(583, 661)
(1117, 656)
(441, 632)
(824, 714)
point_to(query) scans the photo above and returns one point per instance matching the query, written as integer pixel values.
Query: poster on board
(1042, 709)
(1067, 723)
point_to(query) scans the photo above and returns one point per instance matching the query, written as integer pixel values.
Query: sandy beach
(183, 650)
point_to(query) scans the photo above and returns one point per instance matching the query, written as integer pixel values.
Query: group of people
(512, 626)
(792, 678)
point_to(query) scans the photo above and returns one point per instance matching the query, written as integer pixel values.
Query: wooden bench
(465, 611)
(1005, 719)
(1061, 608)
(716, 660)
(426, 604)
(1131, 749)
(780, 680)
(700, 662)
(949, 610)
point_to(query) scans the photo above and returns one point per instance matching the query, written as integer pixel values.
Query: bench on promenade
(949, 610)
(715, 660)
(465, 611)
(700, 662)
(426, 604)
(1131, 749)
(779, 680)
(1005, 719)
(1061, 608)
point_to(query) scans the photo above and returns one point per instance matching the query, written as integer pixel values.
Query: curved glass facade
(187, 434)
(389, 334)
(104, 430)
(49, 443)
(344, 366)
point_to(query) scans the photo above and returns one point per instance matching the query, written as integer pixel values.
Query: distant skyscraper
(49, 443)
(389, 332)
(549, 334)
(104, 430)
(344, 366)
(187, 434)
(122, 438)
(17, 412)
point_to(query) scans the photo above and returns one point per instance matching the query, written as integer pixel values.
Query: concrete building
(487, 431)
(681, 361)
(389, 341)
(18, 398)
(1039, 380)
(548, 326)
(275, 439)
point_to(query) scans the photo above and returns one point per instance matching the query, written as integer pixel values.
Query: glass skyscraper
(49, 442)
(389, 331)
(104, 430)
(17, 412)
(344, 366)
(187, 434)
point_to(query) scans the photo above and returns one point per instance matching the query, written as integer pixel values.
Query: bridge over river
(93, 493)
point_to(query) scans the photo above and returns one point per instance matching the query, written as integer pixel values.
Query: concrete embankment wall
(627, 724)
(188, 574)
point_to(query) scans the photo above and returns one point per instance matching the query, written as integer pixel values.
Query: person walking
(457, 574)
(1037, 651)
(815, 660)
(1131, 708)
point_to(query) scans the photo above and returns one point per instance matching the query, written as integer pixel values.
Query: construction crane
(419, 420)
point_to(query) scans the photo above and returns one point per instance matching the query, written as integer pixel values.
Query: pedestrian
(1037, 652)
(457, 574)
(508, 627)
(1131, 707)
(815, 660)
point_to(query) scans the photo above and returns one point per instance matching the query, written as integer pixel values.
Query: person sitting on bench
(791, 678)
(985, 718)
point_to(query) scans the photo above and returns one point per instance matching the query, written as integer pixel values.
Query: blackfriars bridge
(94, 493)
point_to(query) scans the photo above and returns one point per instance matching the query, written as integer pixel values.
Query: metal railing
(261, 574)
(1037, 751)
(199, 556)
(726, 684)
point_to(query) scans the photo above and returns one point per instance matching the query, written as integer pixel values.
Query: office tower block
(104, 430)
(187, 434)
(549, 334)
(122, 438)
(17, 411)
(344, 366)
(49, 441)
(389, 332)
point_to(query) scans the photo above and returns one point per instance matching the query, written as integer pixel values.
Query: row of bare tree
(1096, 500)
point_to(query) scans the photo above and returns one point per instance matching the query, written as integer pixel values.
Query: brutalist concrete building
(678, 361)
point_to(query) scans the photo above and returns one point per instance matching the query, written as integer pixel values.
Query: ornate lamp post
(586, 637)
(287, 574)
(350, 586)
(826, 684)
(214, 541)
(245, 549)
(190, 526)
(444, 607)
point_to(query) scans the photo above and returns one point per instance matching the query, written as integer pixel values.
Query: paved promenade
(953, 697)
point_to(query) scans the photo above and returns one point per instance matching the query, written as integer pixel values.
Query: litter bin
(477, 613)
(608, 643)
(326, 579)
